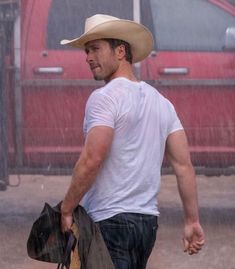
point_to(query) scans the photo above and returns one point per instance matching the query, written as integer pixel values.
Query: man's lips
(94, 66)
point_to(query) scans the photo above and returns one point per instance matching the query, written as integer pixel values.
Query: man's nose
(89, 58)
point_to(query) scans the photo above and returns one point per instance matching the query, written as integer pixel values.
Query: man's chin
(98, 78)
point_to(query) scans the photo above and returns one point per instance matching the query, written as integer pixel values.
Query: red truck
(193, 65)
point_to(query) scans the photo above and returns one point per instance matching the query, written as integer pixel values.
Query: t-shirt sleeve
(100, 111)
(174, 123)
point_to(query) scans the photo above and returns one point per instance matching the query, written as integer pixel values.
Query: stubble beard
(100, 77)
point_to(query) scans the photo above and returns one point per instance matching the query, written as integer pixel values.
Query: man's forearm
(83, 176)
(97, 145)
(188, 192)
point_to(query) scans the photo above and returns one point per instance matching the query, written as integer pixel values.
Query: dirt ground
(20, 206)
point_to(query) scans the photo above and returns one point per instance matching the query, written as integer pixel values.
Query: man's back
(130, 176)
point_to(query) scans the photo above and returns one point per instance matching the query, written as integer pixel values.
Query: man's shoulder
(111, 89)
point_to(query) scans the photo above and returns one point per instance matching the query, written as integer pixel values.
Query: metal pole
(136, 11)
(18, 95)
(136, 16)
(4, 176)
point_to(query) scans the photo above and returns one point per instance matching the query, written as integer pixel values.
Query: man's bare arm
(97, 145)
(177, 151)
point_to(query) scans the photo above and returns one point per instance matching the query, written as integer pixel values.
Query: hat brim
(137, 35)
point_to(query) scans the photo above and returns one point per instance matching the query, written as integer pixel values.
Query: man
(128, 126)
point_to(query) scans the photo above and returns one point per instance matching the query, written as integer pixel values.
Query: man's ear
(120, 52)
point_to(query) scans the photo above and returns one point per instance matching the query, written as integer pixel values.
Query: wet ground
(20, 206)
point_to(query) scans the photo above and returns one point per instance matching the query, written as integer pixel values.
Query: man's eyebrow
(91, 46)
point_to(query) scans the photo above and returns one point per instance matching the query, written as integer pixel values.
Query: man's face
(101, 59)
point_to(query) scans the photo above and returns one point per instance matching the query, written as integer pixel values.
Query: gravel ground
(20, 206)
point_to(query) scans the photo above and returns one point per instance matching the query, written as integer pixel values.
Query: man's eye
(92, 49)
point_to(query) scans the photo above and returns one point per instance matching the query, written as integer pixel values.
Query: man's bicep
(177, 149)
(98, 142)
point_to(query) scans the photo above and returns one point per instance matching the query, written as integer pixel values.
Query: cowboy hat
(102, 26)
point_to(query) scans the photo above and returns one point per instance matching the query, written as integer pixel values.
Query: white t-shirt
(142, 118)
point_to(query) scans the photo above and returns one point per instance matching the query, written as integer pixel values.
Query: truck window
(183, 25)
(232, 2)
(67, 18)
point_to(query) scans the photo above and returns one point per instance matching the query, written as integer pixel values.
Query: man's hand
(66, 221)
(193, 238)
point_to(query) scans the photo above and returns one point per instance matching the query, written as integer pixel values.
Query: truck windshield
(195, 25)
(67, 18)
(183, 25)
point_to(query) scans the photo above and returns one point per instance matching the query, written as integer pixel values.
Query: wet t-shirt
(142, 119)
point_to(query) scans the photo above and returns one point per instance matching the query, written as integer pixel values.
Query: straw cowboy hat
(102, 26)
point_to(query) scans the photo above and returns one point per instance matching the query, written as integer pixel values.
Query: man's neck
(125, 70)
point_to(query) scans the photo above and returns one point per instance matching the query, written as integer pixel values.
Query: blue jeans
(129, 238)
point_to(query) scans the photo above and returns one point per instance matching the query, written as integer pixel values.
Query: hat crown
(98, 19)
